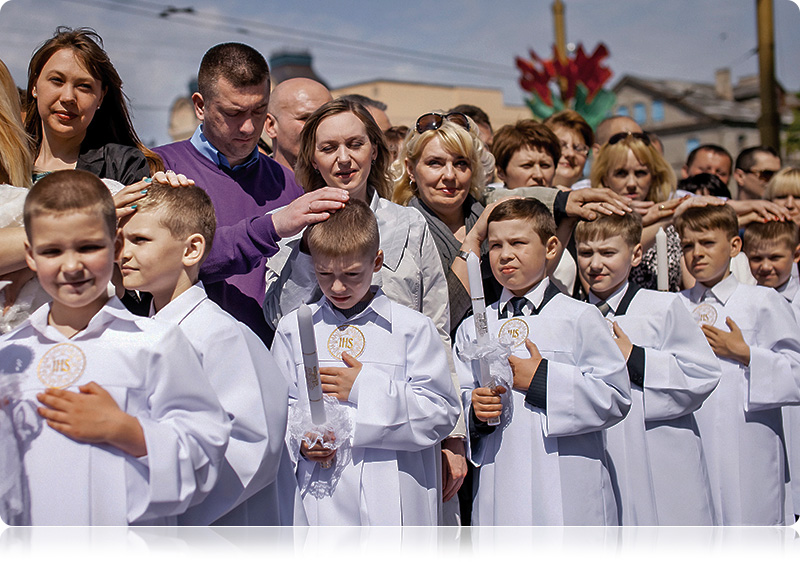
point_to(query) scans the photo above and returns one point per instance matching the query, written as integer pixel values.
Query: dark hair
(747, 157)
(574, 121)
(66, 191)
(714, 149)
(112, 121)
(705, 184)
(629, 226)
(310, 178)
(478, 115)
(529, 209)
(239, 64)
(710, 217)
(183, 211)
(364, 100)
(770, 233)
(350, 231)
(524, 133)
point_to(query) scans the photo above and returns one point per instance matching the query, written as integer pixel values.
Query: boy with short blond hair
(754, 333)
(545, 462)
(132, 435)
(386, 366)
(657, 455)
(164, 244)
(773, 250)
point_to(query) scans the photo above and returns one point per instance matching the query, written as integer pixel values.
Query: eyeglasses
(581, 149)
(432, 121)
(622, 136)
(763, 175)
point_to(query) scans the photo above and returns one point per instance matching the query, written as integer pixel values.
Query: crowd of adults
(431, 183)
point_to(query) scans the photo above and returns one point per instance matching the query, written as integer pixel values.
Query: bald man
(290, 104)
(610, 127)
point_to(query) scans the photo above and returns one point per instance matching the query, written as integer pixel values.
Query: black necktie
(517, 304)
(604, 307)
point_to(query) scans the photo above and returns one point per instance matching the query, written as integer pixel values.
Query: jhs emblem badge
(61, 366)
(514, 329)
(705, 314)
(346, 338)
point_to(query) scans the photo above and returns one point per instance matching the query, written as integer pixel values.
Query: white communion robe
(154, 374)
(740, 423)
(791, 414)
(656, 452)
(252, 391)
(546, 464)
(401, 405)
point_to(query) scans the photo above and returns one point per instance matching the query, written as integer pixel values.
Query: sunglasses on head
(432, 121)
(763, 175)
(622, 136)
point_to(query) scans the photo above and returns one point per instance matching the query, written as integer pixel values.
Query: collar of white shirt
(181, 306)
(613, 301)
(380, 305)
(113, 309)
(722, 291)
(535, 296)
(789, 289)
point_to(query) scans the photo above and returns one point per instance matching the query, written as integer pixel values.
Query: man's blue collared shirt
(204, 147)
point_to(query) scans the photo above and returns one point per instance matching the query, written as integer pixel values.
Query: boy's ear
(194, 250)
(736, 245)
(29, 256)
(796, 257)
(378, 261)
(636, 255)
(552, 248)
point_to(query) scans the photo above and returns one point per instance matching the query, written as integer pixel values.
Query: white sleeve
(283, 356)
(682, 371)
(185, 429)
(409, 413)
(595, 392)
(773, 377)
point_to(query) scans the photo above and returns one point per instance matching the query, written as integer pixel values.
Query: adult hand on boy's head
(524, 369)
(730, 345)
(310, 208)
(590, 202)
(338, 381)
(125, 199)
(486, 403)
(759, 210)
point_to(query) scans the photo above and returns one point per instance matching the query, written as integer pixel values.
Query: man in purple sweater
(244, 185)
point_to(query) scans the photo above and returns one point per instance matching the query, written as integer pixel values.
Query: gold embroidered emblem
(346, 338)
(62, 365)
(514, 329)
(705, 314)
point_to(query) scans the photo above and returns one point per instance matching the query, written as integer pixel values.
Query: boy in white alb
(132, 435)
(754, 333)
(164, 243)
(386, 366)
(656, 454)
(773, 250)
(545, 463)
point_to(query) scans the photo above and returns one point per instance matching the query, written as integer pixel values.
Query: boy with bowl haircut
(656, 453)
(132, 436)
(164, 244)
(773, 250)
(545, 463)
(754, 333)
(386, 366)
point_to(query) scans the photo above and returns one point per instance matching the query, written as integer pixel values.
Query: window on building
(657, 111)
(622, 110)
(639, 113)
(691, 144)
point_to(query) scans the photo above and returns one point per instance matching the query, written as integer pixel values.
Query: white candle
(479, 316)
(308, 344)
(662, 267)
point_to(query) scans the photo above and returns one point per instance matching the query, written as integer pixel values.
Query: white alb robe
(253, 392)
(402, 405)
(548, 466)
(154, 374)
(656, 450)
(791, 414)
(740, 423)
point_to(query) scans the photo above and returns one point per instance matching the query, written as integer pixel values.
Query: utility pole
(561, 38)
(769, 121)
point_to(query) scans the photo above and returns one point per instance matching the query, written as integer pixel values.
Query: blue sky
(422, 41)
